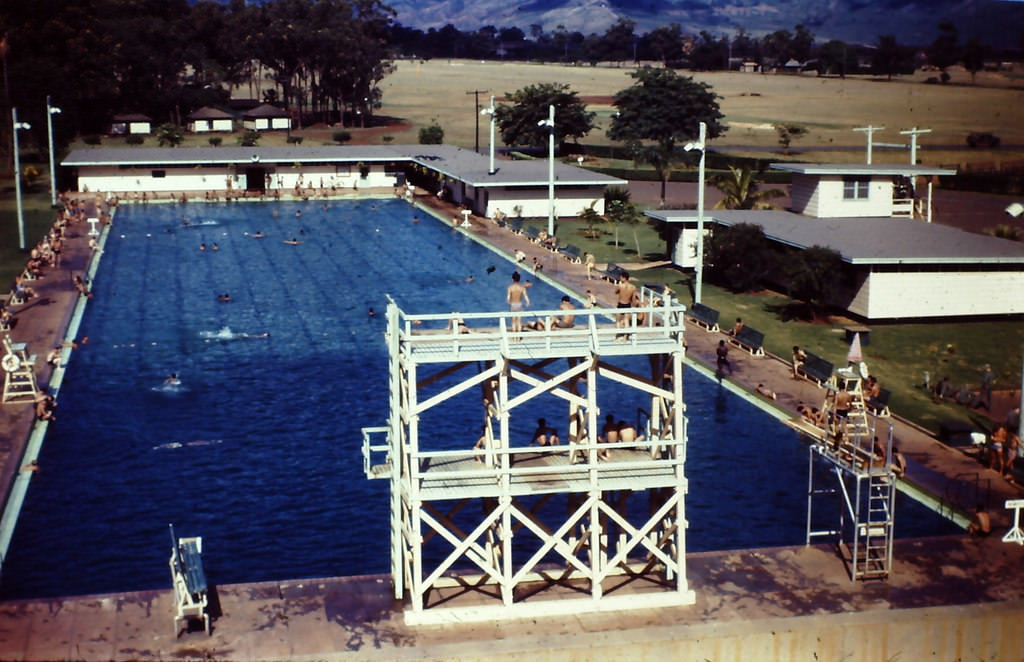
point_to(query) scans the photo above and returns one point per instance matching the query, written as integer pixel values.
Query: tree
(944, 52)
(741, 191)
(518, 123)
(974, 57)
(739, 256)
(665, 109)
(432, 134)
(169, 134)
(836, 58)
(891, 58)
(664, 43)
(590, 216)
(709, 53)
(813, 276)
(625, 213)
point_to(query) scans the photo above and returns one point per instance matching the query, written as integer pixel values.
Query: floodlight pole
(550, 123)
(50, 112)
(490, 111)
(701, 144)
(17, 176)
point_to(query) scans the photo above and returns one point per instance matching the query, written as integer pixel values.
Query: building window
(855, 188)
(157, 174)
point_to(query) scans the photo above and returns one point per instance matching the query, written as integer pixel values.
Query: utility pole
(914, 133)
(870, 130)
(476, 111)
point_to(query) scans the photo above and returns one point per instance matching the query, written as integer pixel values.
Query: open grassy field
(420, 92)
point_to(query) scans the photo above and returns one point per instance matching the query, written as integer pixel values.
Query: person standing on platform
(722, 358)
(517, 298)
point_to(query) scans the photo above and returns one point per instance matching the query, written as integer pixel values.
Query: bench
(533, 234)
(612, 272)
(749, 339)
(704, 316)
(516, 225)
(880, 406)
(189, 580)
(815, 369)
(571, 253)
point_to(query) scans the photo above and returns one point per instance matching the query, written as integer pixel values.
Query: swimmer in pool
(292, 242)
(172, 380)
(257, 235)
(224, 298)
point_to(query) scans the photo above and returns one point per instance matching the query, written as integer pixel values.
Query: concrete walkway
(947, 598)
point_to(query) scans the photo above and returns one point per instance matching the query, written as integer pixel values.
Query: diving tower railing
(434, 358)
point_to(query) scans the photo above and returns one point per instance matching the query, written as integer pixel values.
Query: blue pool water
(258, 448)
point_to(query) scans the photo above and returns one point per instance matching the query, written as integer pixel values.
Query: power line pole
(870, 130)
(476, 111)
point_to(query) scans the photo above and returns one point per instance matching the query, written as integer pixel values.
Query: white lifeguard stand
(555, 529)
(19, 372)
(865, 482)
(189, 580)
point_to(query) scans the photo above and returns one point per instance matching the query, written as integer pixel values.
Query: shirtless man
(516, 297)
(628, 433)
(566, 321)
(625, 292)
(544, 435)
(609, 435)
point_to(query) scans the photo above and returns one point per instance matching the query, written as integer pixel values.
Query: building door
(255, 179)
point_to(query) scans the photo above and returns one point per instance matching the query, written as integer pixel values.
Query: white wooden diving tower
(858, 449)
(510, 530)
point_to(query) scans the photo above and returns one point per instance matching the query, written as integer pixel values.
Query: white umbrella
(854, 355)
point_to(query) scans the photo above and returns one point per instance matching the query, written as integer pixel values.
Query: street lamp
(50, 112)
(550, 123)
(700, 144)
(490, 111)
(17, 176)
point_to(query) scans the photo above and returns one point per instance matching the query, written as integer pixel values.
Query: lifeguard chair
(19, 373)
(189, 581)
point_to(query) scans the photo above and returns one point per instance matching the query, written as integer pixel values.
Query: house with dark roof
(896, 266)
(266, 117)
(209, 119)
(456, 174)
(131, 124)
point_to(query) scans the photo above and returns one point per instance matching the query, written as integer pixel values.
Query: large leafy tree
(944, 52)
(659, 113)
(740, 191)
(891, 58)
(738, 257)
(518, 122)
(814, 276)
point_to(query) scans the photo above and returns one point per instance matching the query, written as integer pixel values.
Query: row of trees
(700, 52)
(166, 58)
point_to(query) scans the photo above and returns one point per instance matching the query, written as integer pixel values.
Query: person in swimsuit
(516, 297)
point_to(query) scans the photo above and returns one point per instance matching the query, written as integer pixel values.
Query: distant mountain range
(997, 23)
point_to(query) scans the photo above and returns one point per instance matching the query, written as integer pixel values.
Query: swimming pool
(258, 448)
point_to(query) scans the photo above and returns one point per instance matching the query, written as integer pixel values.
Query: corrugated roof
(461, 164)
(860, 169)
(867, 240)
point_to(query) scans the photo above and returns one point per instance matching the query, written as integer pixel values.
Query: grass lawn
(38, 219)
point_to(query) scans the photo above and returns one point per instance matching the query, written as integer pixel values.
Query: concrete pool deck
(948, 597)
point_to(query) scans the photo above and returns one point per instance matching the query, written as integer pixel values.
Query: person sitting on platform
(628, 433)
(609, 435)
(544, 435)
(899, 463)
(872, 389)
(981, 524)
(45, 404)
(81, 286)
(457, 324)
(943, 389)
(566, 321)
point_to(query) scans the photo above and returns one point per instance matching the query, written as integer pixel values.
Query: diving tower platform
(508, 529)
(857, 446)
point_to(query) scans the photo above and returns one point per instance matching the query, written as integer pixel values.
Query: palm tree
(740, 191)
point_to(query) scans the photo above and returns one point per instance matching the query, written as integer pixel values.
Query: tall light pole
(17, 176)
(550, 123)
(50, 112)
(490, 111)
(701, 144)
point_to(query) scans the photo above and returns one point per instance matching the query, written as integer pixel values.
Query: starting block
(93, 232)
(1015, 534)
